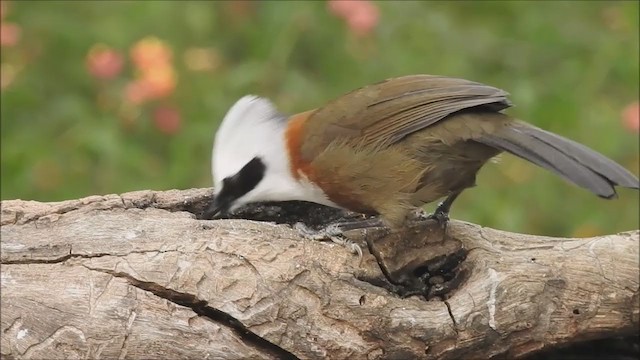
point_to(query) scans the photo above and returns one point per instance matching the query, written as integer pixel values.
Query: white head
(250, 161)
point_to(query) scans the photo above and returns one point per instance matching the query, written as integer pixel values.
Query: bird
(389, 148)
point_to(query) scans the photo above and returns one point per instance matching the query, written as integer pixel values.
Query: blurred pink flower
(104, 62)
(137, 92)
(9, 34)
(150, 52)
(631, 117)
(361, 16)
(167, 119)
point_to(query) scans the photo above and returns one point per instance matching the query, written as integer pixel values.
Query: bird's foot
(441, 217)
(333, 232)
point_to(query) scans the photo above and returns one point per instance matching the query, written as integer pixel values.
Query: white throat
(254, 128)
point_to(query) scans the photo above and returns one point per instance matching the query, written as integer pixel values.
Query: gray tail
(569, 159)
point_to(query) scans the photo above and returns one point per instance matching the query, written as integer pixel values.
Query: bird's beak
(214, 210)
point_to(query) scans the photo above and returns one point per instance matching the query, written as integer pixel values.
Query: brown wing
(388, 111)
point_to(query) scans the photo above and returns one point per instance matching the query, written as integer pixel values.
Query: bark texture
(138, 275)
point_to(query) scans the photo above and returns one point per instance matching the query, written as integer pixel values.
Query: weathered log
(139, 276)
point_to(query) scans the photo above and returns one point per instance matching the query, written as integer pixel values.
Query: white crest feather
(253, 127)
(245, 132)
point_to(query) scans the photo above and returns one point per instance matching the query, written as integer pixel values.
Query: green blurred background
(72, 127)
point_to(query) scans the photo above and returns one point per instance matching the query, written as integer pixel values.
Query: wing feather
(386, 112)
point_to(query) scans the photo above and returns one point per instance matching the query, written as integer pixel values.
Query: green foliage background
(571, 67)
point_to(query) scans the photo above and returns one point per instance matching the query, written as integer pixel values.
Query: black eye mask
(234, 187)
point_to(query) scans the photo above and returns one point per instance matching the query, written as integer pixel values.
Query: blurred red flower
(631, 117)
(9, 34)
(362, 16)
(104, 62)
(167, 119)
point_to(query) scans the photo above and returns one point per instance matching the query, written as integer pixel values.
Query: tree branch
(139, 276)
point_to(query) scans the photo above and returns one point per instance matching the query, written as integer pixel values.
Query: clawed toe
(332, 232)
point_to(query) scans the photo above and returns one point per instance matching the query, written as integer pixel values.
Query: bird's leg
(441, 215)
(335, 232)
(372, 222)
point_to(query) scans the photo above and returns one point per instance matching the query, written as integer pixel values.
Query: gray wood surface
(131, 276)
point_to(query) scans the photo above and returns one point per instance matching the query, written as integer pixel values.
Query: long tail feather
(569, 159)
